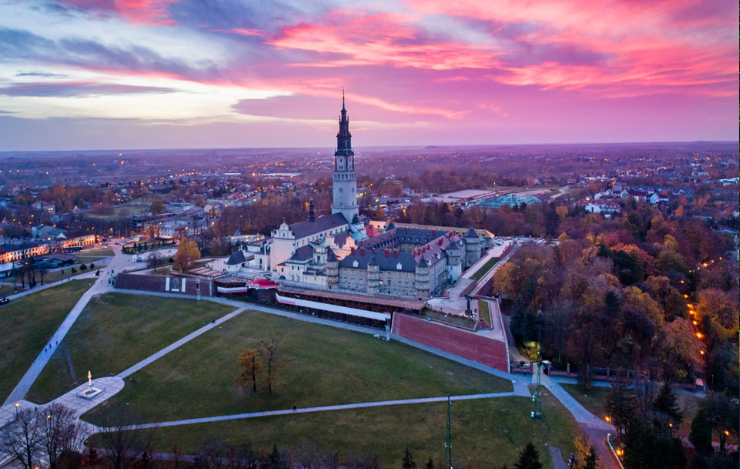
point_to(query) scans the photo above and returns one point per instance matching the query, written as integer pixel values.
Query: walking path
(580, 413)
(557, 458)
(179, 343)
(100, 286)
(362, 405)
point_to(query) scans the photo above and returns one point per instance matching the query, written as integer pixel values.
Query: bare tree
(177, 456)
(124, 439)
(155, 259)
(20, 439)
(59, 431)
(213, 454)
(272, 353)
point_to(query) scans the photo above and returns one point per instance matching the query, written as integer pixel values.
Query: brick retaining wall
(464, 344)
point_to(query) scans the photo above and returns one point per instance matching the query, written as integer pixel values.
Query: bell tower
(345, 177)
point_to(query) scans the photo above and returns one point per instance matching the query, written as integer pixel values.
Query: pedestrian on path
(294, 408)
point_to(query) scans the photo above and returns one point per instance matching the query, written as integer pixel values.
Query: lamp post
(537, 397)
(448, 437)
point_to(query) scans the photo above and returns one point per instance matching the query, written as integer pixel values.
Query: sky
(144, 74)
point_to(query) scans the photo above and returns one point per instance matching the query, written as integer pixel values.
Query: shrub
(83, 267)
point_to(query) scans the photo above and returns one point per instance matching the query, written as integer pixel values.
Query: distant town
(589, 288)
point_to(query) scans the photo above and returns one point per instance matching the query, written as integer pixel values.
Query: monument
(91, 391)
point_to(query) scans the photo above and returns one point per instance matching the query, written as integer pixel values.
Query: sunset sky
(109, 74)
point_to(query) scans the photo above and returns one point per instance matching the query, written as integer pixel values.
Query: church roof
(306, 228)
(303, 253)
(406, 259)
(236, 258)
(331, 257)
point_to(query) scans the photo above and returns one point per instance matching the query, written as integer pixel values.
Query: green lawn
(61, 274)
(486, 433)
(324, 366)
(89, 259)
(592, 400)
(7, 290)
(480, 273)
(116, 331)
(27, 324)
(485, 314)
(105, 252)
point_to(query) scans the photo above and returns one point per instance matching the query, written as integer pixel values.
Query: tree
(59, 431)
(620, 403)
(408, 460)
(272, 354)
(250, 368)
(592, 460)
(212, 454)
(722, 416)
(701, 433)
(187, 253)
(430, 463)
(667, 412)
(529, 458)
(154, 260)
(20, 439)
(156, 207)
(123, 441)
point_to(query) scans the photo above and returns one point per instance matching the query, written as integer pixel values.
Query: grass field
(485, 313)
(119, 211)
(105, 252)
(115, 331)
(480, 273)
(27, 324)
(6, 290)
(89, 259)
(592, 400)
(323, 366)
(486, 433)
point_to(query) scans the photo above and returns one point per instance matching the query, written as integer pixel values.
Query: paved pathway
(557, 458)
(580, 413)
(362, 405)
(179, 343)
(117, 263)
(110, 385)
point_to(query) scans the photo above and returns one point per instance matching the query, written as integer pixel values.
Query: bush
(92, 266)
(83, 267)
(74, 271)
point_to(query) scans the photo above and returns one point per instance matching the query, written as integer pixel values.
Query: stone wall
(166, 284)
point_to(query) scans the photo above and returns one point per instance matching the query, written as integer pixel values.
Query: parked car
(4, 300)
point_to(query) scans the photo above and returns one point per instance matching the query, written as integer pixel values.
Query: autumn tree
(187, 253)
(250, 367)
(723, 311)
(156, 207)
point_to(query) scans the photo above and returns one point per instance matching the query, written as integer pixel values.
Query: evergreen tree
(529, 458)
(620, 404)
(430, 463)
(667, 411)
(408, 460)
(701, 433)
(592, 460)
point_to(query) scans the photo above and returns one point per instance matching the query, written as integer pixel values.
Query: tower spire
(343, 99)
